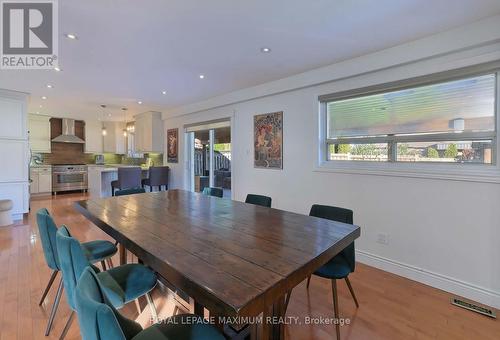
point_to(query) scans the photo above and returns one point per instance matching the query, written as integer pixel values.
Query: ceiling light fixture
(43, 97)
(265, 50)
(71, 36)
(50, 86)
(41, 106)
(139, 102)
(163, 92)
(124, 109)
(104, 131)
(57, 69)
(202, 76)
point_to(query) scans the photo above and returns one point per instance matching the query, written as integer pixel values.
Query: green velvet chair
(340, 266)
(121, 284)
(216, 192)
(124, 192)
(99, 320)
(261, 200)
(95, 251)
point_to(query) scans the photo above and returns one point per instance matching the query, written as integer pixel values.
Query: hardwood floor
(391, 307)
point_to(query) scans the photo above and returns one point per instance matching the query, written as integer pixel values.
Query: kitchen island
(101, 176)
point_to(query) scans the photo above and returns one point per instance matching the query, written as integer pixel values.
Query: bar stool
(128, 178)
(158, 176)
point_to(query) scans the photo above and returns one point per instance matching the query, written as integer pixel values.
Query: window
(444, 122)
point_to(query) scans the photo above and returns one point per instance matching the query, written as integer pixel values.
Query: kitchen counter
(101, 176)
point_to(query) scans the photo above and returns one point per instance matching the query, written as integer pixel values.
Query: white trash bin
(5, 215)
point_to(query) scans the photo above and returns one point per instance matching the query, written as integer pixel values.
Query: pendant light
(124, 109)
(104, 131)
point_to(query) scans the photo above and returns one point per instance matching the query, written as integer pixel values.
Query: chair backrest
(340, 215)
(72, 261)
(124, 192)
(98, 319)
(158, 175)
(216, 192)
(129, 177)
(47, 229)
(262, 200)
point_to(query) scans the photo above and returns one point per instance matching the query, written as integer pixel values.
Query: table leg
(123, 254)
(272, 327)
(199, 309)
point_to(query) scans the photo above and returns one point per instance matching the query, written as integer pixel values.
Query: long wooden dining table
(234, 259)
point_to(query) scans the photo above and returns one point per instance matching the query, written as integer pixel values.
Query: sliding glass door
(209, 153)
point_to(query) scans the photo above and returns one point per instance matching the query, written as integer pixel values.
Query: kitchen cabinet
(39, 133)
(114, 141)
(93, 137)
(14, 150)
(149, 132)
(13, 115)
(41, 180)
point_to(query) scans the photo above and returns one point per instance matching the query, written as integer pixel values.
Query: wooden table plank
(235, 259)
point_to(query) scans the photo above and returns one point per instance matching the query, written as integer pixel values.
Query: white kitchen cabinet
(15, 154)
(149, 132)
(41, 180)
(13, 115)
(93, 137)
(39, 133)
(114, 141)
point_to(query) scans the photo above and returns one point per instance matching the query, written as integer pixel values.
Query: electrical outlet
(383, 238)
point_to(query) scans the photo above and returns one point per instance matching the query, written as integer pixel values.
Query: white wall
(441, 232)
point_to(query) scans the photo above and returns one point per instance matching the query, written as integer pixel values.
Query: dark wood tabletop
(234, 258)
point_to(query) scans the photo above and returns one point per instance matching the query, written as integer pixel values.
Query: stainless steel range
(69, 177)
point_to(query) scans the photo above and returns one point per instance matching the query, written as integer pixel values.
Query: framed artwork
(173, 145)
(268, 140)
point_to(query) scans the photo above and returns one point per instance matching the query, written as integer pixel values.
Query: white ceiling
(130, 50)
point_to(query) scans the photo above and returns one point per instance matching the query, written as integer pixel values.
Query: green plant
(451, 151)
(432, 153)
(344, 148)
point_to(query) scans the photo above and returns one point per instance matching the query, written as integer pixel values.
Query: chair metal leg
(54, 307)
(308, 281)
(336, 308)
(68, 325)
(152, 307)
(352, 291)
(103, 265)
(109, 261)
(51, 280)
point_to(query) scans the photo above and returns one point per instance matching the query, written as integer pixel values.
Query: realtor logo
(28, 34)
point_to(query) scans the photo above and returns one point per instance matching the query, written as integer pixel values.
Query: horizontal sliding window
(447, 122)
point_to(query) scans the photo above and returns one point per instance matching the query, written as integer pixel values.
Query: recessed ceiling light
(202, 76)
(57, 69)
(139, 102)
(109, 114)
(41, 106)
(43, 97)
(71, 36)
(50, 86)
(265, 50)
(163, 92)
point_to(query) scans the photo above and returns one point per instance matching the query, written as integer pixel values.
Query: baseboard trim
(448, 284)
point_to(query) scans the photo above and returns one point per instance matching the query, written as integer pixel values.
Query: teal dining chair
(261, 200)
(216, 192)
(95, 251)
(342, 264)
(120, 284)
(99, 319)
